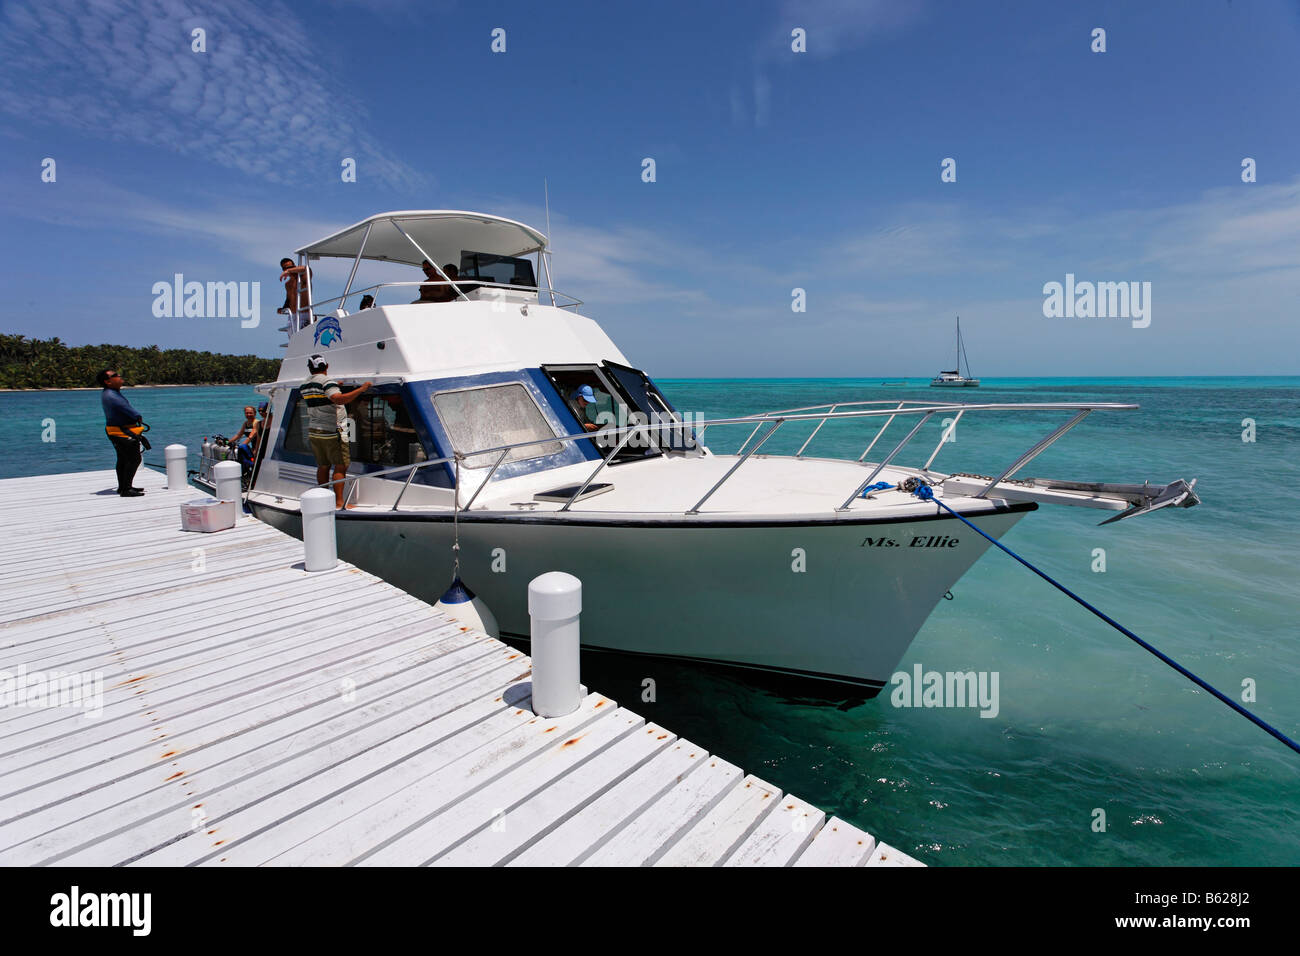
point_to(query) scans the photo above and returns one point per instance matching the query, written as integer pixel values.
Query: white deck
(257, 714)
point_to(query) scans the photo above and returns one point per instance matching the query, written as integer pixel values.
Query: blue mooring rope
(926, 493)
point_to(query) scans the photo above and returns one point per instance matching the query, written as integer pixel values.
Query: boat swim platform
(253, 713)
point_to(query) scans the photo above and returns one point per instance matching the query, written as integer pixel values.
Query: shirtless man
(297, 304)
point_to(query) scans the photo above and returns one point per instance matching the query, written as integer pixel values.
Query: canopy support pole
(435, 265)
(356, 262)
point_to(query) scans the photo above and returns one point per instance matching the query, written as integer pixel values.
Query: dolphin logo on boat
(328, 331)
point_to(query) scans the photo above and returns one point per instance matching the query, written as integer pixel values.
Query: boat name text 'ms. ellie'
(501, 416)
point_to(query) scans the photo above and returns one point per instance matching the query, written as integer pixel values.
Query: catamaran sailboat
(506, 419)
(954, 378)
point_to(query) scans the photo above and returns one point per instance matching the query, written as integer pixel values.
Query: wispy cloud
(838, 26)
(1233, 231)
(922, 239)
(831, 28)
(1241, 230)
(242, 230)
(617, 262)
(258, 100)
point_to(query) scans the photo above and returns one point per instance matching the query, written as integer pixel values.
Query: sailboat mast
(963, 351)
(959, 345)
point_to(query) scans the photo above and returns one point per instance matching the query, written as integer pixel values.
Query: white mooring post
(225, 481)
(554, 603)
(174, 456)
(319, 545)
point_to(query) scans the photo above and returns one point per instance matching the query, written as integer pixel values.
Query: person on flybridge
(435, 290)
(323, 397)
(297, 303)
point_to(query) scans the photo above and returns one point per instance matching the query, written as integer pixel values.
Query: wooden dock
(252, 713)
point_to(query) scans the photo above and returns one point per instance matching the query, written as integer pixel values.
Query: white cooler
(208, 514)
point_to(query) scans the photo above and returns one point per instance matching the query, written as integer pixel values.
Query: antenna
(545, 255)
(546, 190)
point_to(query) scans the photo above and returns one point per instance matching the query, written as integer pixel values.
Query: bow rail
(1137, 497)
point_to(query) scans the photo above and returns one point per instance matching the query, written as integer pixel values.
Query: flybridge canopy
(442, 234)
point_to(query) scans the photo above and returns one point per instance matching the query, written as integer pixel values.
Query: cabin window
(612, 413)
(491, 416)
(507, 270)
(647, 398)
(295, 427)
(382, 432)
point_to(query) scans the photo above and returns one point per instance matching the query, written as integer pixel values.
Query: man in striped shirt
(322, 396)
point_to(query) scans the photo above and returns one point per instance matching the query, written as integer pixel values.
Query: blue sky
(775, 169)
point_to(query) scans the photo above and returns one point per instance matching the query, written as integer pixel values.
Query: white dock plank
(838, 844)
(781, 836)
(647, 837)
(267, 760)
(531, 793)
(586, 831)
(725, 827)
(395, 807)
(130, 750)
(285, 664)
(252, 818)
(261, 826)
(886, 855)
(528, 821)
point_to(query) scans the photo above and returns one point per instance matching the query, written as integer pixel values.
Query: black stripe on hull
(569, 519)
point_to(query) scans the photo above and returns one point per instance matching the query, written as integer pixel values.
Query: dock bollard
(225, 481)
(319, 545)
(174, 456)
(554, 603)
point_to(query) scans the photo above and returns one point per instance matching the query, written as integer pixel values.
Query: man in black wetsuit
(124, 426)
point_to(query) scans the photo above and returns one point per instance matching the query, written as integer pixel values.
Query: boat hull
(832, 605)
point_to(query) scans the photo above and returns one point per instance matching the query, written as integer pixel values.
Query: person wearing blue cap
(590, 408)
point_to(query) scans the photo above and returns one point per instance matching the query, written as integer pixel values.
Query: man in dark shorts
(321, 395)
(124, 426)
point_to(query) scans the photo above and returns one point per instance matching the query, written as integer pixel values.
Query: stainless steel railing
(339, 301)
(775, 421)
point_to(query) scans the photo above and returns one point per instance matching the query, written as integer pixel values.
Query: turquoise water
(1087, 720)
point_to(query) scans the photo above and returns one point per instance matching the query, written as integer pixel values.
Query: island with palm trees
(50, 363)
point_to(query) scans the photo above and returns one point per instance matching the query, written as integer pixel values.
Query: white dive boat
(954, 378)
(792, 565)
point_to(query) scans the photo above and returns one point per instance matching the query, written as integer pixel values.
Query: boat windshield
(612, 399)
(485, 417)
(506, 270)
